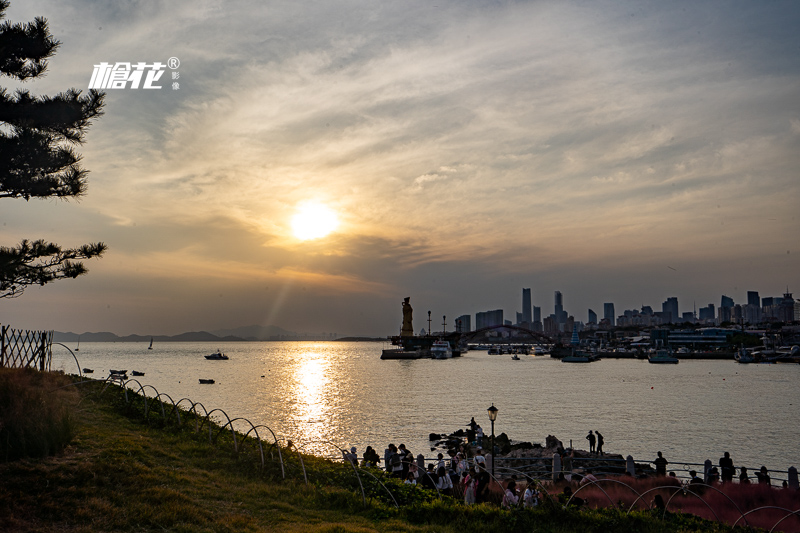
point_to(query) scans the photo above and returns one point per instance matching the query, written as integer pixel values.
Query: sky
(615, 151)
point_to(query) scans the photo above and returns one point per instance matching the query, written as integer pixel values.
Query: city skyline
(310, 165)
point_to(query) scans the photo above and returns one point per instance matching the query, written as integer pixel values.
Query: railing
(25, 349)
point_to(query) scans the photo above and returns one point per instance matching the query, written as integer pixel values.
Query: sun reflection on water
(310, 395)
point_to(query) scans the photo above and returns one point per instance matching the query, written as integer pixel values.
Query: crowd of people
(465, 473)
(722, 474)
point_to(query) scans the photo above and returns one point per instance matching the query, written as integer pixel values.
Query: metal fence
(25, 348)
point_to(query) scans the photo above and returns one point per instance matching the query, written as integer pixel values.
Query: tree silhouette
(37, 157)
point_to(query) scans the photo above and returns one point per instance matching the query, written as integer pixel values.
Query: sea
(326, 396)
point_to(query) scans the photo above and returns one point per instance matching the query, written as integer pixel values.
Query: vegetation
(126, 471)
(36, 417)
(37, 159)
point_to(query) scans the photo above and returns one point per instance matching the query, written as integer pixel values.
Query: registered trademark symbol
(173, 63)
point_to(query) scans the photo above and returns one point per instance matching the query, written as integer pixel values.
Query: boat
(218, 356)
(663, 356)
(118, 372)
(137, 373)
(515, 357)
(78, 347)
(87, 370)
(151, 344)
(743, 357)
(441, 350)
(206, 381)
(580, 358)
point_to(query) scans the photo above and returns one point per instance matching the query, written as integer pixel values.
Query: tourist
(479, 458)
(472, 424)
(410, 479)
(371, 458)
(470, 486)
(661, 465)
(387, 456)
(763, 476)
(592, 439)
(510, 498)
(479, 435)
(694, 480)
(413, 470)
(461, 464)
(352, 457)
(444, 483)
(530, 498)
(743, 477)
(713, 476)
(406, 458)
(429, 478)
(726, 467)
(658, 502)
(600, 442)
(483, 485)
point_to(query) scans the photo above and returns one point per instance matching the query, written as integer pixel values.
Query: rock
(434, 436)
(551, 443)
(459, 433)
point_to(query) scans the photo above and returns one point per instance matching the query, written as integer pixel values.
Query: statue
(408, 329)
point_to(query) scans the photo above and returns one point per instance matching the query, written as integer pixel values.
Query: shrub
(35, 413)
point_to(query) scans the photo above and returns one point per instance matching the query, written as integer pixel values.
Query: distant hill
(194, 336)
(256, 333)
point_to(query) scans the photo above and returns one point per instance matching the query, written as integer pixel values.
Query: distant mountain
(256, 333)
(194, 336)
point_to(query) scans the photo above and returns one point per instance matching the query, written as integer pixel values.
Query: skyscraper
(753, 299)
(608, 313)
(526, 306)
(670, 309)
(592, 317)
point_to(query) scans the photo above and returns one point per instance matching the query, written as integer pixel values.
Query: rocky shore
(536, 459)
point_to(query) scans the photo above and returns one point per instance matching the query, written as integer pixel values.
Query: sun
(313, 220)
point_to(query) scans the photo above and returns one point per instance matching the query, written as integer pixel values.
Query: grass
(122, 472)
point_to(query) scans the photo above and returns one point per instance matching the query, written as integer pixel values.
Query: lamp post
(493, 416)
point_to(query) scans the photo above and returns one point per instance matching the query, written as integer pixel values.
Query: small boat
(663, 356)
(219, 356)
(743, 357)
(118, 372)
(580, 357)
(441, 350)
(137, 373)
(515, 357)
(151, 344)
(87, 370)
(206, 381)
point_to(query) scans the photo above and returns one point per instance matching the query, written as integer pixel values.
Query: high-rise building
(526, 306)
(592, 317)
(726, 301)
(753, 299)
(560, 315)
(670, 309)
(465, 323)
(707, 313)
(487, 319)
(608, 313)
(537, 314)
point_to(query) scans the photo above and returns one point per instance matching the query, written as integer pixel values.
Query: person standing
(592, 439)
(727, 470)
(600, 442)
(661, 465)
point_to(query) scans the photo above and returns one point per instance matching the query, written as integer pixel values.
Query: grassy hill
(123, 471)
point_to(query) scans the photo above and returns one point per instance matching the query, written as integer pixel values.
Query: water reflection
(309, 395)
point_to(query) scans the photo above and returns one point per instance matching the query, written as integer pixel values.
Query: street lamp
(493, 416)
